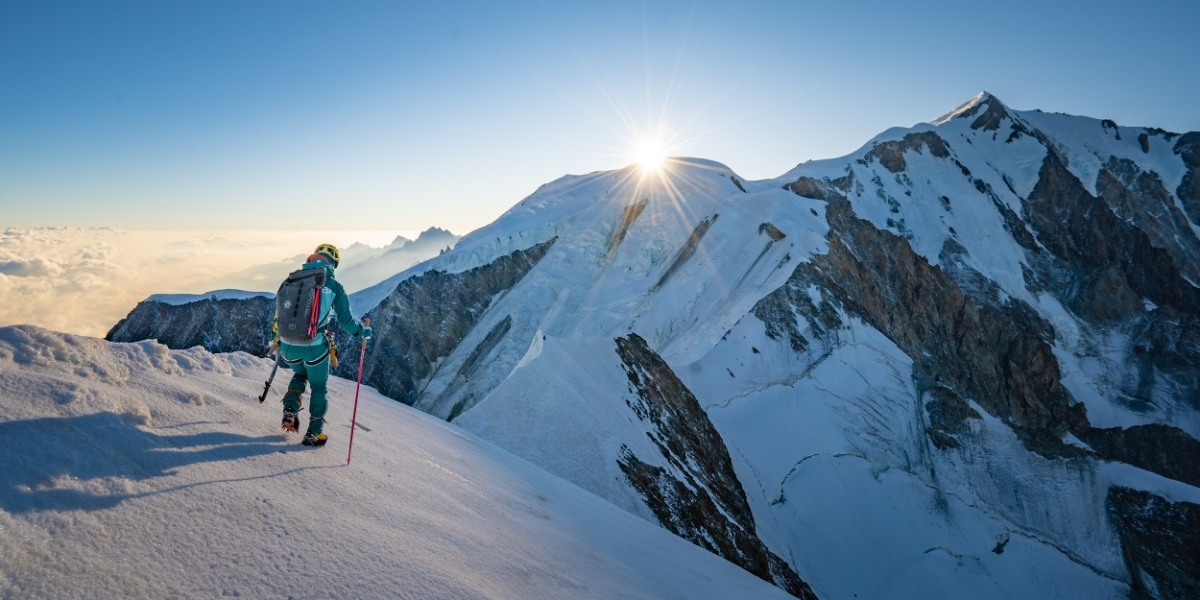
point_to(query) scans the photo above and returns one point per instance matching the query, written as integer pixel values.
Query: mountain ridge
(990, 308)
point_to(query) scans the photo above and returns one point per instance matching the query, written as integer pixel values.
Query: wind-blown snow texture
(959, 362)
(134, 471)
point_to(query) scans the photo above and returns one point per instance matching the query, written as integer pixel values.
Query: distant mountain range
(958, 362)
(227, 320)
(364, 266)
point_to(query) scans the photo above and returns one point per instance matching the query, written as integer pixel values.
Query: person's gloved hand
(365, 332)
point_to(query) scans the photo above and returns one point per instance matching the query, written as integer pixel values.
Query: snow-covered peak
(573, 199)
(968, 108)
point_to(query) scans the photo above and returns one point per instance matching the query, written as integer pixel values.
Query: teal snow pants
(310, 364)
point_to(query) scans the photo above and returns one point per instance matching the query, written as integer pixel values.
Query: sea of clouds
(84, 280)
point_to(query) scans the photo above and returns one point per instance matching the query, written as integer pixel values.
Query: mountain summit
(958, 362)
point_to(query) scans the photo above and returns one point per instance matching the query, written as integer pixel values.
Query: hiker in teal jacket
(310, 362)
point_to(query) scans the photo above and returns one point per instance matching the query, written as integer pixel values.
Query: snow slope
(134, 471)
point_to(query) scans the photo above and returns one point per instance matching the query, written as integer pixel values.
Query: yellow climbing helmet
(331, 251)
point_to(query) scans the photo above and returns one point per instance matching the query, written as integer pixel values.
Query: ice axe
(267, 386)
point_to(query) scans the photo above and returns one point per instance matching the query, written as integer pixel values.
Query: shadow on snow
(89, 462)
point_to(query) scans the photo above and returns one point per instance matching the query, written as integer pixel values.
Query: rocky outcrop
(1139, 197)
(1159, 541)
(1188, 148)
(948, 414)
(1082, 232)
(891, 154)
(953, 324)
(698, 497)
(781, 311)
(220, 325)
(426, 317)
(997, 355)
(991, 112)
(463, 377)
(1165, 343)
(1156, 447)
(687, 250)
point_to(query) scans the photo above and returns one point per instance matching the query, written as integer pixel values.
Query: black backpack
(302, 306)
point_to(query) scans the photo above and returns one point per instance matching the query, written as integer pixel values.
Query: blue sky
(398, 116)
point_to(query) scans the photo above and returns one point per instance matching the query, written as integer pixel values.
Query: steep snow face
(679, 262)
(135, 471)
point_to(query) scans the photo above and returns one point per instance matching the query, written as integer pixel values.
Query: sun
(650, 153)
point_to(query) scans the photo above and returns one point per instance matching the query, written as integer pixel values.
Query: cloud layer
(84, 280)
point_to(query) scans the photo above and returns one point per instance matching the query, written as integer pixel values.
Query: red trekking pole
(354, 415)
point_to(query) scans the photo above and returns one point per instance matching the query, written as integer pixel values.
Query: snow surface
(134, 471)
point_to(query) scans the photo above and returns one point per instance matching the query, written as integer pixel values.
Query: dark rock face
(463, 377)
(807, 187)
(1084, 233)
(891, 154)
(1158, 448)
(699, 498)
(1188, 148)
(218, 325)
(1140, 197)
(948, 414)
(772, 231)
(781, 311)
(997, 355)
(1106, 264)
(423, 320)
(1159, 540)
(1166, 343)
(992, 114)
(426, 317)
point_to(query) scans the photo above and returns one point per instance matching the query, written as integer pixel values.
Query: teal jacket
(341, 304)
